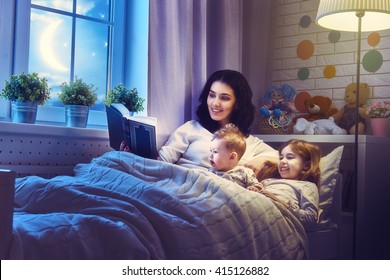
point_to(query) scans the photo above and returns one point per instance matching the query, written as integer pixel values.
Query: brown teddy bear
(345, 117)
(316, 107)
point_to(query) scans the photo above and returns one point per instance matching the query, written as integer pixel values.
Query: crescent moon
(46, 49)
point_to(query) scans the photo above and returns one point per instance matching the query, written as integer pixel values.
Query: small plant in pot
(25, 91)
(128, 97)
(77, 96)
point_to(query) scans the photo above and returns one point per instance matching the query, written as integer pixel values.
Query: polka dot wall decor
(303, 73)
(334, 36)
(323, 61)
(305, 49)
(374, 39)
(329, 71)
(305, 21)
(373, 59)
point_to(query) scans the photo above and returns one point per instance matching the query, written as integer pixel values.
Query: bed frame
(323, 244)
(7, 183)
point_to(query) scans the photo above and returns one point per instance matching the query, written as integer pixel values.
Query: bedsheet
(121, 206)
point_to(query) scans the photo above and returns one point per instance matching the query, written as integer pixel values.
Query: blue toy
(278, 99)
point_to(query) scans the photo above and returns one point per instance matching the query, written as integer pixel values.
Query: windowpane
(91, 56)
(53, 53)
(50, 48)
(63, 5)
(99, 9)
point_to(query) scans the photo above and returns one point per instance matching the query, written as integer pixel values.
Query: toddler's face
(219, 155)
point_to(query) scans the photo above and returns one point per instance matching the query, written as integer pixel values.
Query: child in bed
(226, 149)
(293, 182)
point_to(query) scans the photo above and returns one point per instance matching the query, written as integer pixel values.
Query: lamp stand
(359, 15)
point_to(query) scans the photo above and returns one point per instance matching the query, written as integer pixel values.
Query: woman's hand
(258, 163)
(123, 147)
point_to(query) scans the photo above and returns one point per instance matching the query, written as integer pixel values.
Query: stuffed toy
(278, 100)
(317, 127)
(315, 107)
(346, 116)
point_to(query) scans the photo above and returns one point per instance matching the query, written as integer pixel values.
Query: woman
(226, 98)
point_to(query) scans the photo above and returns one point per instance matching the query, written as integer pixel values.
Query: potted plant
(379, 114)
(25, 91)
(128, 97)
(77, 96)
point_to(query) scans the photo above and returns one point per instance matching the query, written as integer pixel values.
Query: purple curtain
(189, 39)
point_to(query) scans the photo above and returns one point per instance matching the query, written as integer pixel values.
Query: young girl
(227, 147)
(295, 180)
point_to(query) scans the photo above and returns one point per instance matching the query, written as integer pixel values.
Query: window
(68, 39)
(104, 42)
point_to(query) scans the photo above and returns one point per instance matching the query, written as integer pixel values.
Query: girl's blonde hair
(310, 154)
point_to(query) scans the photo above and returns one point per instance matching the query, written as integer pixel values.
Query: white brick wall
(341, 54)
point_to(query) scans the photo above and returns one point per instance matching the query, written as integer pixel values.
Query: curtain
(188, 40)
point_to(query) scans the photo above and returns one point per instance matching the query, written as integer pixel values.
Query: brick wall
(321, 61)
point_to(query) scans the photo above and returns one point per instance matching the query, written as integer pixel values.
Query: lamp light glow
(341, 14)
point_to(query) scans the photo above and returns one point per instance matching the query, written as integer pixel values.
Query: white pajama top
(189, 146)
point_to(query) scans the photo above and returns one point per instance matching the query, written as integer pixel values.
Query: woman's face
(291, 165)
(220, 102)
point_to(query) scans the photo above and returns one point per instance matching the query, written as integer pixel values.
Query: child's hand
(123, 147)
(274, 197)
(269, 194)
(254, 188)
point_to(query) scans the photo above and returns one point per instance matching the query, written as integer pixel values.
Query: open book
(139, 132)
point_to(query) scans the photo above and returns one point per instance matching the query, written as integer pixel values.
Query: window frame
(16, 44)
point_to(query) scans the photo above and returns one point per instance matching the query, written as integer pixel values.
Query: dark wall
(257, 47)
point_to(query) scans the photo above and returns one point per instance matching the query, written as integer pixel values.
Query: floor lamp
(355, 16)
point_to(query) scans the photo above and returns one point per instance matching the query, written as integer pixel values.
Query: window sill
(55, 116)
(52, 129)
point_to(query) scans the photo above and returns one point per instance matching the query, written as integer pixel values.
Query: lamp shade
(341, 14)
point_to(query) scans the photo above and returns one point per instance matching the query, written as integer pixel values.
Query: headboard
(48, 151)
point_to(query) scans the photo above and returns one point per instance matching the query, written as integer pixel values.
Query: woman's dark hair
(244, 111)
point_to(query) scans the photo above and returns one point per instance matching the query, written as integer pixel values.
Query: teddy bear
(317, 127)
(346, 116)
(317, 118)
(278, 100)
(315, 107)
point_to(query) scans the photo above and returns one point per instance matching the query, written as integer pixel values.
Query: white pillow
(329, 166)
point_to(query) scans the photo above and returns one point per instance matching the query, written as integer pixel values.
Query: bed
(122, 206)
